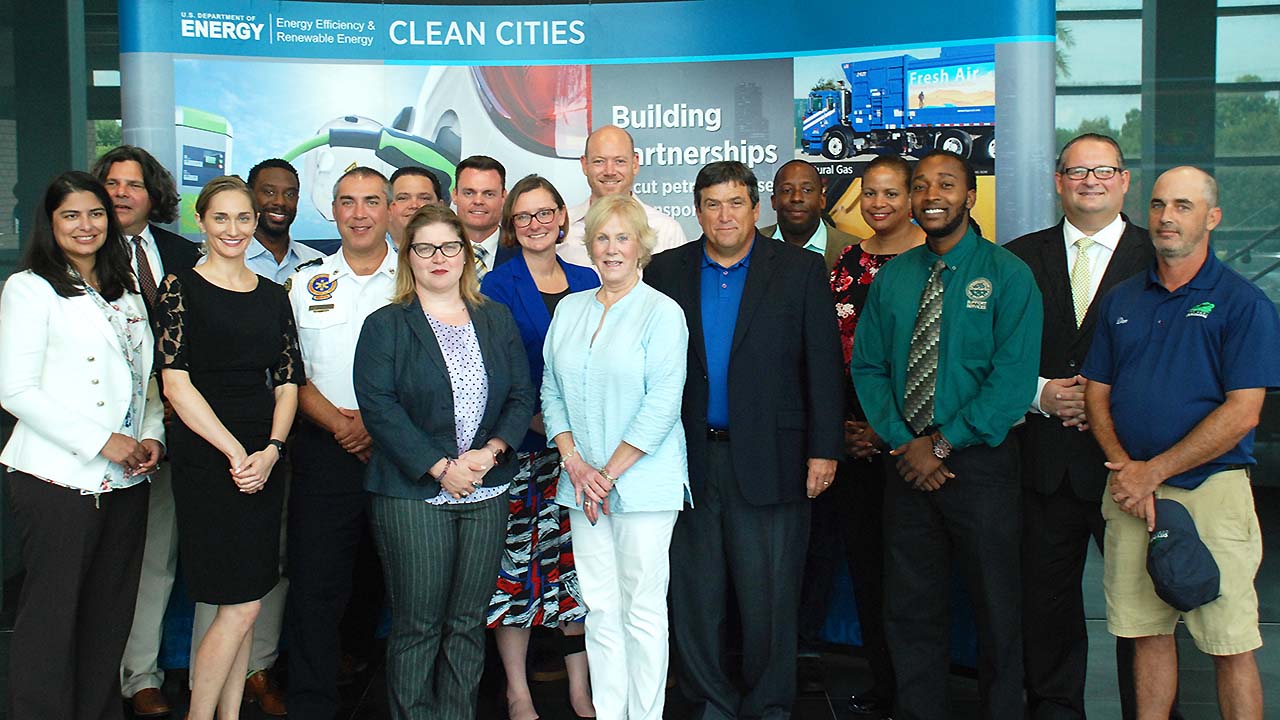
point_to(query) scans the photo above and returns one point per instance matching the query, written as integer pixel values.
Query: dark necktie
(146, 279)
(922, 360)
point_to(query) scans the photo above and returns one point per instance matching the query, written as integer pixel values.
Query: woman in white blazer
(76, 351)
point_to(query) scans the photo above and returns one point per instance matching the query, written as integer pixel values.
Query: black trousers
(83, 557)
(328, 534)
(848, 526)
(1057, 529)
(973, 521)
(722, 542)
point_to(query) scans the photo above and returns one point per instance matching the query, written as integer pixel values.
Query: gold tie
(482, 264)
(1080, 278)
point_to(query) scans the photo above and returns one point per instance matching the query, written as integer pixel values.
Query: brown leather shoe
(150, 702)
(261, 689)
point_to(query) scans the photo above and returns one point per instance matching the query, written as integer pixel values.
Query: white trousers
(138, 666)
(623, 570)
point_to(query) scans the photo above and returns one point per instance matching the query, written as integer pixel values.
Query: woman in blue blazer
(443, 387)
(76, 355)
(537, 584)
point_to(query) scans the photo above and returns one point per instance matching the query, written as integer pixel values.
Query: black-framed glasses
(1102, 172)
(426, 250)
(545, 215)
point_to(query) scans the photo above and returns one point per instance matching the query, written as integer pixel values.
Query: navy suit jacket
(512, 285)
(1052, 454)
(786, 382)
(406, 400)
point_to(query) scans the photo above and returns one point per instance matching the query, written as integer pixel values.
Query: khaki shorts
(1222, 508)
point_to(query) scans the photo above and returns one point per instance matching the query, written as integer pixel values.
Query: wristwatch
(279, 445)
(500, 457)
(941, 448)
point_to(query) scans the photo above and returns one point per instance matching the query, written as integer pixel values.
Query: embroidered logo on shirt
(1201, 311)
(978, 291)
(1122, 320)
(321, 287)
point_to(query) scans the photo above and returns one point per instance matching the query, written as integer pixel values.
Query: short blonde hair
(406, 287)
(631, 213)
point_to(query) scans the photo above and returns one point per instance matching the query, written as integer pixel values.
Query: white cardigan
(63, 377)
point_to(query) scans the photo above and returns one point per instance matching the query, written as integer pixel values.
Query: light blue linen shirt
(627, 385)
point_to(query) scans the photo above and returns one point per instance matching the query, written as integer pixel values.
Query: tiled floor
(846, 673)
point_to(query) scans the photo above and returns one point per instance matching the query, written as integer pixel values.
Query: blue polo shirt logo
(1201, 310)
(978, 291)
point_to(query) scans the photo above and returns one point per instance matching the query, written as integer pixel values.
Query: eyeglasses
(427, 250)
(1102, 172)
(544, 216)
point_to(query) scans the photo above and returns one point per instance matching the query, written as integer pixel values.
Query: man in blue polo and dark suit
(143, 193)
(1075, 263)
(763, 414)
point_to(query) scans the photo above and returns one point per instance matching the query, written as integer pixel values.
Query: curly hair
(161, 188)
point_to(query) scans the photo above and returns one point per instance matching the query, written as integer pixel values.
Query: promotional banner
(216, 86)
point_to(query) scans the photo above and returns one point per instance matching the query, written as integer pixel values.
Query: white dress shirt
(1104, 246)
(330, 303)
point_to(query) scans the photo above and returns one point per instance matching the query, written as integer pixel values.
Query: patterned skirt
(537, 584)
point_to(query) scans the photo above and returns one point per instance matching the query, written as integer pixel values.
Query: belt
(717, 435)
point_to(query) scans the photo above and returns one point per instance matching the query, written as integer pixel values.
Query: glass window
(1099, 5)
(1243, 44)
(1100, 52)
(1247, 123)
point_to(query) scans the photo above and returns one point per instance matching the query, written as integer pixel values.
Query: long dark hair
(159, 183)
(45, 257)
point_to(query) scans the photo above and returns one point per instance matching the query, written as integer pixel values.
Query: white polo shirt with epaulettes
(330, 303)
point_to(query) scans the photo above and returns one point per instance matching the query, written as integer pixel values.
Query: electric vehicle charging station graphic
(203, 141)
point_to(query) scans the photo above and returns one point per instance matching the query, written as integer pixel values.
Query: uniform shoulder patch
(309, 263)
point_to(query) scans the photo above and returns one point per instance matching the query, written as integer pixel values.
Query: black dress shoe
(867, 704)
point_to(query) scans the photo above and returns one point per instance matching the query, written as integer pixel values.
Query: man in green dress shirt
(945, 363)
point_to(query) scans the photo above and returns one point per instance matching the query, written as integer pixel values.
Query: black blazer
(786, 394)
(406, 400)
(1051, 452)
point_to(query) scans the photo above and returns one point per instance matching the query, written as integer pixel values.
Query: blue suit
(512, 285)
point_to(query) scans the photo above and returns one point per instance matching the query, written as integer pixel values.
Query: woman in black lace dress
(231, 368)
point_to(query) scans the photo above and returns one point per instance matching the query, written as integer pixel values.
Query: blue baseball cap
(1182, 569)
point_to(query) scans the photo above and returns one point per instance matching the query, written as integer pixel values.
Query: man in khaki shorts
(1181, 360)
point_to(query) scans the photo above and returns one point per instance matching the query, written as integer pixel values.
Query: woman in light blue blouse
(611, 394)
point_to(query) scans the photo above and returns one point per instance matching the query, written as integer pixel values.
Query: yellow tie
(1080, 278)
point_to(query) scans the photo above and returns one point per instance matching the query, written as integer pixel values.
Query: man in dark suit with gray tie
(1075, 263)
(144, 194)
(763, 413)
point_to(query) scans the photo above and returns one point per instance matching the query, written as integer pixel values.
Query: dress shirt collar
(817, 242)
(490, 245)
(388, 266)
(1108, 237)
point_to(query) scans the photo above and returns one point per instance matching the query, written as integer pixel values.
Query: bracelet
(448, 465)
(277, 444)
(605, 474)
(566, 458)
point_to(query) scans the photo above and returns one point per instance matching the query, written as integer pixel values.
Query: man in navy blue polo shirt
(1182, 358)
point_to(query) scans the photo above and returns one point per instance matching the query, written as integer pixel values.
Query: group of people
(540, 416)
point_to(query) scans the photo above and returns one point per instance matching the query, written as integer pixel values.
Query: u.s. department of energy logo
(1201, 310)
(978, 292)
